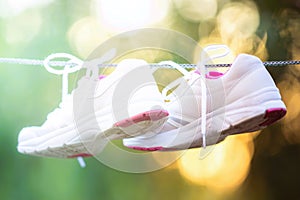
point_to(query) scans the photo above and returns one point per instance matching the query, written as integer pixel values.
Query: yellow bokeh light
(289, 88)
(123, 15)
(167, 159)
(224, 169)
(290, 85)
(239, 19)
(197, 10)
(236, 26)
(85, 35)
(252, 45)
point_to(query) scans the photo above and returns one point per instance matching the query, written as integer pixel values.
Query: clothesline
(36, 62)
(72, 64)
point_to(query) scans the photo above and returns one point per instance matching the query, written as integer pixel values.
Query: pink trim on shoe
(272, 115)
(80, 155)
(211, 74)
(146, 148)
(101, 77)
(152, 115)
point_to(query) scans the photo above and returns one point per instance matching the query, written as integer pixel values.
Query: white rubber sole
(242, 116)
(67, 143)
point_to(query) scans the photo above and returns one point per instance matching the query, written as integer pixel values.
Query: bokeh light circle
(238, 20)
(119, 15)
(226, 167)
(197, 10)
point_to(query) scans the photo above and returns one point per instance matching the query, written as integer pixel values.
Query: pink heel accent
(146, 148)
(101, 77)
(80, 155)
(272, 115)
(152, 115)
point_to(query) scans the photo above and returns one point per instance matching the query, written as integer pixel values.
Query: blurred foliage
(29, 93)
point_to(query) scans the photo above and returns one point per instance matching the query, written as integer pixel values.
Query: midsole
(217, 121)
(67, 133)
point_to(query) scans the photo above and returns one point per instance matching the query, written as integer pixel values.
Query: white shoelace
(201, 66)
(73, 65)
(68, 69)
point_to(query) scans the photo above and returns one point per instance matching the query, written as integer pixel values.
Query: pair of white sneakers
(128, 105)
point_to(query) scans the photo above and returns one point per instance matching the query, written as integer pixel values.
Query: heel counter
(248, 74)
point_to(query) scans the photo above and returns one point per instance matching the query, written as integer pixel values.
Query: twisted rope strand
(22, 61)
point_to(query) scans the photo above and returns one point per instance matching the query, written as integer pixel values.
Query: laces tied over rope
(204, 59)
(72, 65)
(186, 76)
(222, 51)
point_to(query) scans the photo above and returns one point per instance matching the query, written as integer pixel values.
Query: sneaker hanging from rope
(70, 131)
(244, 99)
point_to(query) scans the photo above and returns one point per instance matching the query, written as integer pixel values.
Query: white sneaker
(124, 104)
(244, 99)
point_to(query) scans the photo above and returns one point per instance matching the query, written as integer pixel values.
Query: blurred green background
(262, 165)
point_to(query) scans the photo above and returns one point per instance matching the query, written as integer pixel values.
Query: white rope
(22, 61)
(35, 62)
(74, 64)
